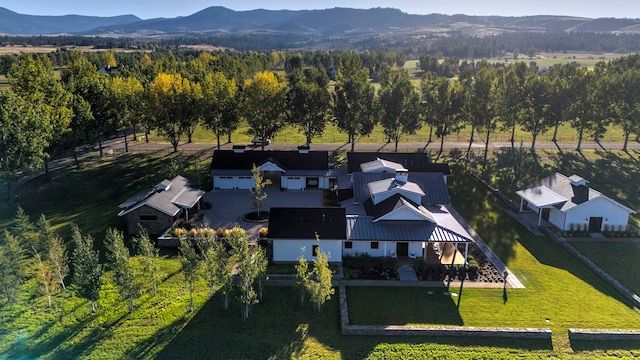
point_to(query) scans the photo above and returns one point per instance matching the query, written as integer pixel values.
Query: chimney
(304, 149)
(238, 149)
(402, 176)
(580, 189)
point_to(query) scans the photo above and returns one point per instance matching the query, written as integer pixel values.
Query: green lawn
(618, 258)
(558, 288)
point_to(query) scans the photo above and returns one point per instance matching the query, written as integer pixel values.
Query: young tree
(302, 277)
(353, 99)
(55, 251)
(12, 257)
(308, 101)
(257, 192)
(25, 229)
(87, 270)
(398, 105)
(264, 104)
(190, 263)
(318, 281)
(45, 275)
(248, 269)
(216, 266)
(149, 257)
(123, 272)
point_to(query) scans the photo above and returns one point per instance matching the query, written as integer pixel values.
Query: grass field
(611, 257)
(558, 288)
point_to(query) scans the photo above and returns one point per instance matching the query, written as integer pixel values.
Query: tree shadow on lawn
(548, 252)
(276, 328)
(402, 306)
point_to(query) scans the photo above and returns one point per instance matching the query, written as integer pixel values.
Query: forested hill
(14, 23)
(340, 22)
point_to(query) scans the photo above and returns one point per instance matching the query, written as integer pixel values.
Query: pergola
(541, 197)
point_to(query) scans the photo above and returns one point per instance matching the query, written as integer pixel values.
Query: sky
(147, 9)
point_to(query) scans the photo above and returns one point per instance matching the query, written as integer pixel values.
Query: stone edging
(456, 331)
(581, 334)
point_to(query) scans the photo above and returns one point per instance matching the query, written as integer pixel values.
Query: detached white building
(570, 204)
(292, 170)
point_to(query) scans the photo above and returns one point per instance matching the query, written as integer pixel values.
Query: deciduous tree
(87, 270)
(123, 272)
(398, 105)
(264, 99)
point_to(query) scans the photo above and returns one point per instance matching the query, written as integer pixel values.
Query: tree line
(34, 253)
(42, 115)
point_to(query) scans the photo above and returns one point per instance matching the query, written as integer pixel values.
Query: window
(315, 250)
(148, 217)
(374, 244)
(348, 245)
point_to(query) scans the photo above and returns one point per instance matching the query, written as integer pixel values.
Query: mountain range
(335, 22)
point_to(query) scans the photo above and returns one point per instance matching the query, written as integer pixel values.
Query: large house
(160, 208)
(569, 203)
(292, 170)
(393, 213)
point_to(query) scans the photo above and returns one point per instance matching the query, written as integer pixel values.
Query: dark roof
(562, 185)
(432, 184)
(414, 162)
(304, 223)
(167, 197)
(290, 160)
(388, 205)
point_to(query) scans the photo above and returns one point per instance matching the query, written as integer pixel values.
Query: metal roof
(362, 228)
(432, 184)
(381, 165)
(414, 162)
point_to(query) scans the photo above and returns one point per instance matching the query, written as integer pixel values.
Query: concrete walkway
(407, 273)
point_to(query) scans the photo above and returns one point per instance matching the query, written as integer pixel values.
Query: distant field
(13, 49)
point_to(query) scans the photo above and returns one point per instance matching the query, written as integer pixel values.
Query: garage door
(245, 182)
(224, 182)
(295, 182)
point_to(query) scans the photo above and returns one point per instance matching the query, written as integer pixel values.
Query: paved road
(118, 146)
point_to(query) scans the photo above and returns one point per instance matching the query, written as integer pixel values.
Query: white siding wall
(611, 214)
(556, 217)
(362, 247)
(289, 250)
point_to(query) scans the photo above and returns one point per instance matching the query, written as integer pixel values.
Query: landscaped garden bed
(366, 267)
(478, 269)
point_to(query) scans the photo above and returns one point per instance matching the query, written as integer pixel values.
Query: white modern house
(389, 215)
(291, 170)
(569, 203)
